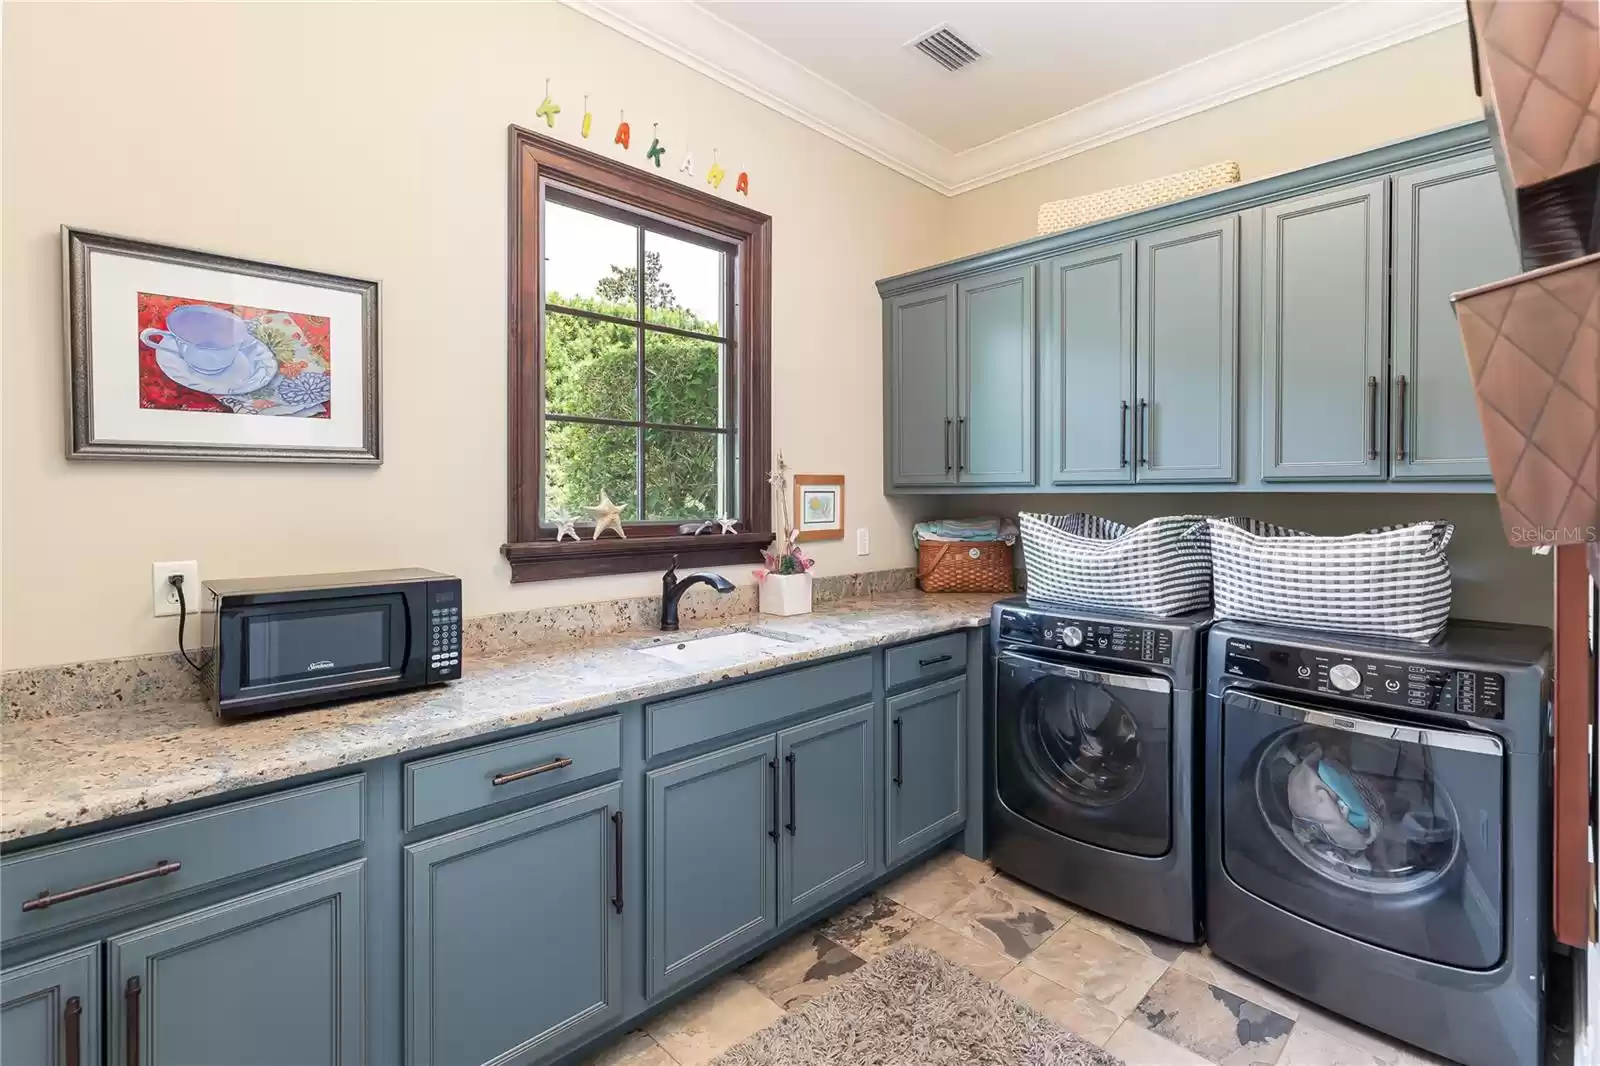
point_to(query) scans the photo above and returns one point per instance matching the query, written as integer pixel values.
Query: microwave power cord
(176, 581)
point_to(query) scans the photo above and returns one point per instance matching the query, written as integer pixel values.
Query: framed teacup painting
(819, 506)
(178, 354)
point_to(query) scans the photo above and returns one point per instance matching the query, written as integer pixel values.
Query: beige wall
(371, 140)
(1390, 95)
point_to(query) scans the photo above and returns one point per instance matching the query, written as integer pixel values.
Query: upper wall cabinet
(994, 425)
(1086, 332)
(1186, 352)
(1451, 233)
(919, 333)
(1322, 336)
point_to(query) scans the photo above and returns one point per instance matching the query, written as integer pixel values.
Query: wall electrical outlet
(164, 597)
(863, 544)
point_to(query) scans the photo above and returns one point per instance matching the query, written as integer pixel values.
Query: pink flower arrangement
(785, 556)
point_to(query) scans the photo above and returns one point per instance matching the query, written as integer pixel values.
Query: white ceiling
(1056, 79)
(1040, 59)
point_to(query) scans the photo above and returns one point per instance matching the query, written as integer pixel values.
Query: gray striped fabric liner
(1161, 567)
(1393, 581)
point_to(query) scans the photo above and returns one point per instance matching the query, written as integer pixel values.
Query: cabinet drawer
(926, 660)
(704, 716)
(198, 849)
(466, 780)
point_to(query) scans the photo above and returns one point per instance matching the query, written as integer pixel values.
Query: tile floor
(1148, 1001)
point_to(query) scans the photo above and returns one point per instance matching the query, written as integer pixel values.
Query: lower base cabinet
(514, 933)
(50, 1010)
(927, 766)
(829, 829)
(271, 977)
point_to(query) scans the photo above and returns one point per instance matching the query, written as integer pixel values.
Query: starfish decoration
(729, 525)
(564, 527)
(606, 515)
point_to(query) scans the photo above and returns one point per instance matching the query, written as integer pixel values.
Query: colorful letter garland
(548, 109)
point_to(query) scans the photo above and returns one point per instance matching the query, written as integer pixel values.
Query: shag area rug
(912, 1007)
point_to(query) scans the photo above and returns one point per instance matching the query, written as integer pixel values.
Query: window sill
(547, 560)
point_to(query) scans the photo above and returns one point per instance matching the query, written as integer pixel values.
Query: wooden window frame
(531, 549)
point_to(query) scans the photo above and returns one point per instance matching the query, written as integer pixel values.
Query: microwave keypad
(445, 645)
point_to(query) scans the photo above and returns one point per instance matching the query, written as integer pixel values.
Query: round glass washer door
(1083, 741)
(1361, 811)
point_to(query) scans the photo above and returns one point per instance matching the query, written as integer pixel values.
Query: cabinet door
(268, 978)
(513, 936)
(926, 765)
(994, 429)
(1086, 328)
(1322, 334)
(828, 810)
(1188, 352)
(50, 1010)
(711, 867)
(1451, 232)
(920, 345)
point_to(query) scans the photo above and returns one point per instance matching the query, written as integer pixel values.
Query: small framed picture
(179, 354)
(819, 506)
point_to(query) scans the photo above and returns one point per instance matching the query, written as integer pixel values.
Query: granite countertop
(75, 769)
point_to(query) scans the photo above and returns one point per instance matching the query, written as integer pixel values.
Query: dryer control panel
(1109, 640)
(1395, 682)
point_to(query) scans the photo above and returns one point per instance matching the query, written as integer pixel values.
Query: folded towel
(965, 529)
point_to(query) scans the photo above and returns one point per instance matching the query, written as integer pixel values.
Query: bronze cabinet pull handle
(1372, 418)
(558, 763)
(899, 755)
(130, 1008)
(1122, 436)
(935, 661)
(789, 765)
(1144, 433)
(50, 899)
(72, 1031)
(772, 768)
(947, 425)
(961, 444)
(616, 830)
(1400, 433)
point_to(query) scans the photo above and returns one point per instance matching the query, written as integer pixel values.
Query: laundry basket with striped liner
(1390, 582)
(1161, 567)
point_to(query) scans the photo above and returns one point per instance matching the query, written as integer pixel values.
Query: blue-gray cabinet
(1186, 352)
(926, 765)
(263, 979)
(1323, 270)
(1451, 233)
(514, 933)
(1086, 333)
(920, 387)
(829, 839)
(994, 420)
(711, 860)
(50, 1010)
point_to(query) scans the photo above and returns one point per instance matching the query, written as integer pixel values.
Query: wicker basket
(1076, 211)
(964, 566)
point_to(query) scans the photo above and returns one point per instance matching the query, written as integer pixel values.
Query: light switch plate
(863, 543)
(164, 598)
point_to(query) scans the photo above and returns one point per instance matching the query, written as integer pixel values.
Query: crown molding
(689, 33)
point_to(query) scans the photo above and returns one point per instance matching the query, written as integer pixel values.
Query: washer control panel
(1395, 682)
(1111, 640)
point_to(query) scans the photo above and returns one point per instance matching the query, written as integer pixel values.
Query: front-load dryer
(1093, 741)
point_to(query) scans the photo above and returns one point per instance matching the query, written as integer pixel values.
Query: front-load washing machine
(1093, 741)
(1376, 828)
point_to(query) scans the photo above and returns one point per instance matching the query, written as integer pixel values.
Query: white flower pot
(786, 594)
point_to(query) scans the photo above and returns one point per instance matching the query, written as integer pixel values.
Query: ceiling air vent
(946, 47)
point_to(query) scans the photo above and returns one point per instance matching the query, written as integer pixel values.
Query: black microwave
(278, 644)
